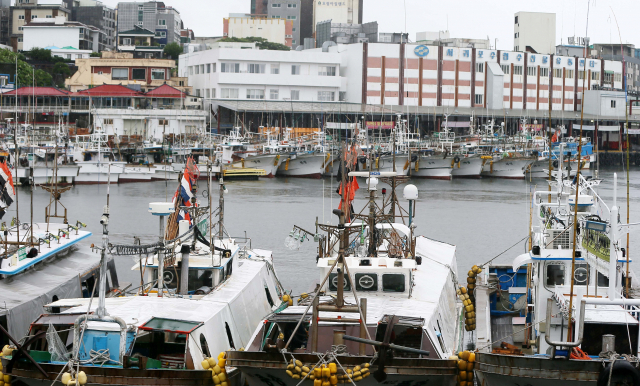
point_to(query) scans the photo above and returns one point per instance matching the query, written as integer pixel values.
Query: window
(230, 67)
(333, 282)
(162, 22)
(107, 121)
(213, 93)
(568, 74)
(595, 76)
(581, 75)
(256, 68)
(198, 92)
(19, 40)
(229, 337)
(49, 17)
(20, 17)
(157, 74)
(517, 70)
(557, 72)
(293, 41)
(505, 68)
(366, 282)
(161, 34)
(255, 94)
(274, 94)
(516, 19)
(269, 298)
(139, 74)
(342, 96)
(213, 67)
(531, 71)
(478, 99)
(555, 274)
(292, 17)
(295, 69)
(20, 28)
(275, 68)
(229, 93)
(204, 345)
(208, 68)
(618, 77)
(581, 274)
(68, 56)
(327, 71)
(613, 104)
(202, 68)
(479, 67)
(276, 5)
(393, 282)
(544, 72)
(292, 5)
(295, 95)
(197, 70)
(126, 41)
(35, 17)
(120, 74)
(608, 77)
(207, 93)
(326, 96)
(190, 70)
(163, 122)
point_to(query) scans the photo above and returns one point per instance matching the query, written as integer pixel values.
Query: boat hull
(469, 168)
(498, 370)
(508, 168)
(433, 167)
(137, 174)
(302, 166)
(267, 162)
(267, 369)
(94, 173)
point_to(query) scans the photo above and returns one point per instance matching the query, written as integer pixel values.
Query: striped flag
(184, 194)
(8, 193)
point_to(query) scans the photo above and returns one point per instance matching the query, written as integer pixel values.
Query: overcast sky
(463, 18)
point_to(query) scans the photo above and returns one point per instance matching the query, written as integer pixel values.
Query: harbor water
(483, 218)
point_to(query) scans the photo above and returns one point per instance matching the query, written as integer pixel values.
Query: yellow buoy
(216, 369)
(222, 355)
(462, 365)
(357, 379)
(303, 374)
(470, 376)
(333, 380)
(289, 373)
(216, 379)
(222, 362)
(469, 366)
(205, 364)
(298, 369)
(285, 298)
(317, 382)
(333, 368)
(357, 373)
(224, 384)
(462, 375)
(326, 383)
(290, 302)
(317, 372)
(82, 378)
(305, 369)
(72, 382)
(222, 377)
(296, 376)
(66, 377)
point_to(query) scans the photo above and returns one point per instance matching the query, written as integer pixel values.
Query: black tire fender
(621, 370)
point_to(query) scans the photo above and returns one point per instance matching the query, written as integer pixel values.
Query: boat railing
(579, 325)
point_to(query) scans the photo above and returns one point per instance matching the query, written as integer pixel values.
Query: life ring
(456, 159)
(619, 370)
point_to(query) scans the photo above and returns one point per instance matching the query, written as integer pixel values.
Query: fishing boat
(201, 294)
(566, 311)
(385, 304)
(97, 161)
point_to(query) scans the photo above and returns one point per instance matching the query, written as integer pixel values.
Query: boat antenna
(577, 196)
(101, 311)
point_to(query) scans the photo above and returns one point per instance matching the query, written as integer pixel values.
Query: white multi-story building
(59, 32)
(226, 73)
(536, 30)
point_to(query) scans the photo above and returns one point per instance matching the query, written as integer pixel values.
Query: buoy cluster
(69, 380)
(287, 298)
(217, 368)
(466, 361)
(327, 374)
(4, 378)
(467, 296)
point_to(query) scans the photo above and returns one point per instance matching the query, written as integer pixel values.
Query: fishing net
(57, 349)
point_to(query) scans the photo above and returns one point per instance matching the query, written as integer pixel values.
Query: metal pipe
(314, 324)
(380, 344)
(161, 259)
(363, 326)
(330, 308)
(184, 270)
(613, 239)
(580, 329)
(339, 320)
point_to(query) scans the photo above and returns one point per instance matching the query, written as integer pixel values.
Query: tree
(96, 54)
(40, 55)
(173, 50)
(261, 43)
(26, 73)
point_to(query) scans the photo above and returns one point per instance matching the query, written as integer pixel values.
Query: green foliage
(61, 69)
(96, 54)
(261, 43)
(40, 55)
(25, 71)
(173, 50)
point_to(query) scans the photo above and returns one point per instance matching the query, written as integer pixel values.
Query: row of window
(369, 282)
(274, 94)
(21, 17)
(137, 74)
(257, 68)
(557, 72)
(278, 5)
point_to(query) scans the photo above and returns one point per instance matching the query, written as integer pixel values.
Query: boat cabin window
(269, 298)
(165, 340)
(333, 282)
(226, 327)
(603, 281)
(555, 274)
(581, 275)
(198, 278)
(393, 282)
(366, 282)
(204, 345)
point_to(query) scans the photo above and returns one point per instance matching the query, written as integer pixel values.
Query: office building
(287, 10)
(97, 14)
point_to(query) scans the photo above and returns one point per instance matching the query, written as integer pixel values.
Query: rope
(99, 356)
(505, 251)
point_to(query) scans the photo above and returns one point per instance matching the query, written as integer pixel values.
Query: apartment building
(25, 11)
(163, 20)
(96, 13)
(287, 10)
(58, 32)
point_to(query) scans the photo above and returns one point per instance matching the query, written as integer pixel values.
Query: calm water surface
(481, 217)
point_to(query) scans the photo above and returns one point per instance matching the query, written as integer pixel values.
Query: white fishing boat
(508, 166)
(97, 162)
(468, 167)
(433, 165)
(563, 313)
(138, 173)
(385, 301)
(212, 292)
